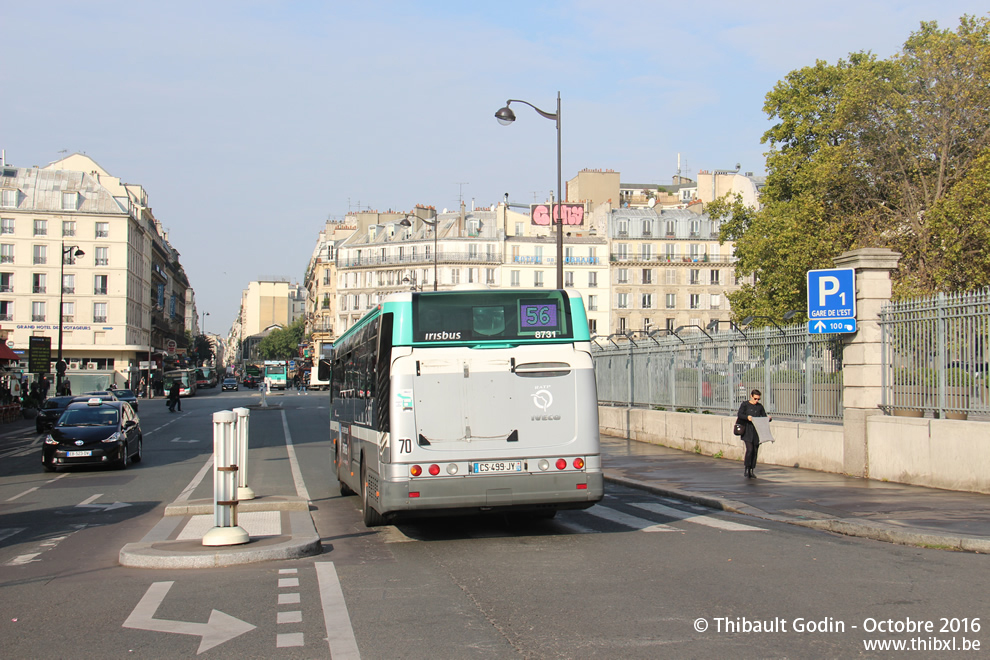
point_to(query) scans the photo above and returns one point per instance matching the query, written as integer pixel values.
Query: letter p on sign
(827, 286)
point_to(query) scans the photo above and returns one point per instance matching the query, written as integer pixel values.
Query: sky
(250, 124)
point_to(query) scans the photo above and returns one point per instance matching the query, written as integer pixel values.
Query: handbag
(738, 429)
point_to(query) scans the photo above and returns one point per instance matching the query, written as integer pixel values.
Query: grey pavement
(895, 513)
(884, 511)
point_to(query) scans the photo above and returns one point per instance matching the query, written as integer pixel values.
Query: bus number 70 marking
(405, 445)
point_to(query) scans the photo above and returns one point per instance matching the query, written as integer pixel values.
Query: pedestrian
(173, 398)
(747, 411)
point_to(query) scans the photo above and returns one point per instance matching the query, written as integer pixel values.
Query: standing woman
(747, 411)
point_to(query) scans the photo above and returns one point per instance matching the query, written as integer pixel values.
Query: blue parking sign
(832, 301)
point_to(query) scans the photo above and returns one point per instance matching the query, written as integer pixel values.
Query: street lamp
(505, 116)
(202, 329)
(435, 224)
(749, 319)
(60, 364)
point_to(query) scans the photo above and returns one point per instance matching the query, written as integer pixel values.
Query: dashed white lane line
(293, 616)
(31, 490)
(288, 599)
(288, 640)
(284, 583)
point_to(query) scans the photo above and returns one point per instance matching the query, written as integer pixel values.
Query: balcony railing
(99, 292)
(677, 259)
(6, 317)
(39, 289)
(99, 319)
(37, 318)
(419, 259)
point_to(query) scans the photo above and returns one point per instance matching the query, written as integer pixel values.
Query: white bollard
(264, 391)
(244, 491)
(226, 530)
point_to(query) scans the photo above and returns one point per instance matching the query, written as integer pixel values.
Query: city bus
(460, 402)
(186, 379)
(275, 374)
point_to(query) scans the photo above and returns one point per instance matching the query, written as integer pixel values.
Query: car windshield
(124, 394)
(52, 404)
(89, 417)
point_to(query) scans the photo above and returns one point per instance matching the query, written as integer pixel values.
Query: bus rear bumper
(526, 492)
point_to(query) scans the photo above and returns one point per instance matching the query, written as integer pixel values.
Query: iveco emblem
(79, 443)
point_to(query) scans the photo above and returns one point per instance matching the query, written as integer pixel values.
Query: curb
(155, 552)
(876, 531)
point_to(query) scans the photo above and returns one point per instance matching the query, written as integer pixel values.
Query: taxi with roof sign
(94, 432)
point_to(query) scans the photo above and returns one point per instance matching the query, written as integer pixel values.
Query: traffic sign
(832, 301)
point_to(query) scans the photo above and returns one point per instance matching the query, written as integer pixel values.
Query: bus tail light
(434, 469)
(578, 463)
(415, 470)
(582, 486)
(561, 464)
(413, 493)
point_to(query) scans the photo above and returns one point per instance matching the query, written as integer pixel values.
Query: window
(68, 283)
(515, 253)
(102, 256)
(538, 278)
(326, 301)
(538, 252)
(68, 312)
(473, 251)
(6, 310)
(647, 301)
(670, 251)
(6, 282)
(715, 276)
(41, 228)
(695, 251)
(69, 256)
(472, 274)
(70, 201)
(715, 301)
(6, 225)
(622, 300)
(40, 254)
(646, 251)
(68, 228)
(569, 278)
(647, 228)
(593, 326)
(568, 255)
(622, 251)
(670, 276)
(592, 303)
(695, 301)
(489, 276)
(592, 279)
(38, 311)
(100, 285)
(7, 253)
(519, 229)
(622, 276)
(623, 228)
(8, 199)
(695, 276)
(455, 275)
(99, 312)
(622, 325)
(38, 283)
(647, 276)
(671, 300)
(514, 278)
(102, 229)
(670, 227)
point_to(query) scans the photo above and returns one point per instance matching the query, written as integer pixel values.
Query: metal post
(560, 210)
(226, 531)
(244, 491)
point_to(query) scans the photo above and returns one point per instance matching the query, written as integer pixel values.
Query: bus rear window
(497, 316)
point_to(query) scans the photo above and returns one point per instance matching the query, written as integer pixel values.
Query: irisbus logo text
(441, 336)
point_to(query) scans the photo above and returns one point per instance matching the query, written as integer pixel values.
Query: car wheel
(371, 517)
(121, 463)
(136, 458)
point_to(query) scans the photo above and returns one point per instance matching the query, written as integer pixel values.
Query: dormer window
(70, 201)
(9, 198)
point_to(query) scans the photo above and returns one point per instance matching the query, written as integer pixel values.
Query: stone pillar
(861, 354)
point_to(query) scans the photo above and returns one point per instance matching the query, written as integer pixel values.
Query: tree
(283, 343)
(202, 350)
(867, 153)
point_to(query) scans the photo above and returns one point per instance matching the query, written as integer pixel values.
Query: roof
(42, 190)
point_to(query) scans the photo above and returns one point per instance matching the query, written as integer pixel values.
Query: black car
(128, 396)
(50, 411)
(105, 395)
(249, 382)
(229, 384)
(96, 432)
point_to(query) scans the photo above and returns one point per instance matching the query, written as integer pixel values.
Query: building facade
(73, 235)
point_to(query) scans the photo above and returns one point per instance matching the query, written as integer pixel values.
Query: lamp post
(435, 224)
(202, 329)
(505, 116)
(60, 364)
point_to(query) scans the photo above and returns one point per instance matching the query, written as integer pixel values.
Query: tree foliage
(283, 343)
(873, 153)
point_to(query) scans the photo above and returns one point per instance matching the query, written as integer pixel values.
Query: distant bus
(324, 353)
(467, 401)
(186, 378)
(275, 373)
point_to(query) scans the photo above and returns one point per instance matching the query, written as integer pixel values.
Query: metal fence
(935, 355)
(800, 374)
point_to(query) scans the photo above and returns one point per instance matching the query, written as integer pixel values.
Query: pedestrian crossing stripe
(642, 524)
(698, 519)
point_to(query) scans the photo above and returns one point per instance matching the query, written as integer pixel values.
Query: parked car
(229, 384)
(50, 411)
(95, 432)
(128, 396)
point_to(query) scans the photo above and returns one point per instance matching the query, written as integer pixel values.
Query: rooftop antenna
(460, 191)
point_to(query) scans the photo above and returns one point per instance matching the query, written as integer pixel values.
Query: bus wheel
(371, 517)
(345, 490)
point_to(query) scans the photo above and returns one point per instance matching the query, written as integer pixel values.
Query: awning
(7, 354)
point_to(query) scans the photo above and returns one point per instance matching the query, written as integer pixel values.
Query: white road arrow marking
(219, 629)
(88, 503)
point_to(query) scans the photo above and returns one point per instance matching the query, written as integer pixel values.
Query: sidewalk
(896, 513)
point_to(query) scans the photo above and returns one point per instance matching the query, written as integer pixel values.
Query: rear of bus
(492, 406)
